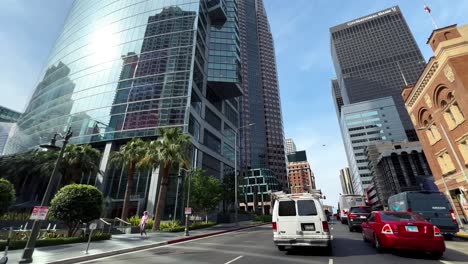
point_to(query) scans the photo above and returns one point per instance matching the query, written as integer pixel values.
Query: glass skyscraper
(121, 69)
(373, 57)
(262, 145)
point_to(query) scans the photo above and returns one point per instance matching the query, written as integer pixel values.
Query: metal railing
(106, 223)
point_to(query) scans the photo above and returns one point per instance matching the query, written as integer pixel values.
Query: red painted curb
(174, 241)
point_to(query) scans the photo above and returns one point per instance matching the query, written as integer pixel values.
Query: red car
(402, 230)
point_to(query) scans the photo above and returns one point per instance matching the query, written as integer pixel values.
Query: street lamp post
(179, 177)
(54, 179)
(236, 202)
(186, 229)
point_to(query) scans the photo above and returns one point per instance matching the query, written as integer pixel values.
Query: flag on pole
(428, 10)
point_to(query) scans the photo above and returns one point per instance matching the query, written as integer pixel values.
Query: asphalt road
(255, 246)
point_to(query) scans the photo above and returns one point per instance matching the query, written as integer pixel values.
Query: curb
(153, 245)
(462, 235)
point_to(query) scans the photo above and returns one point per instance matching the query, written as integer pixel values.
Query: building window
(452, 113)
(433, 134)
(445, 163)
(463, 147)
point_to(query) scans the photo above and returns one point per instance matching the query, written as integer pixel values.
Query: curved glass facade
(119, 69)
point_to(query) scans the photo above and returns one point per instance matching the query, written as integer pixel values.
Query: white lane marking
(231, 261)
(330, 261)
(167, 245)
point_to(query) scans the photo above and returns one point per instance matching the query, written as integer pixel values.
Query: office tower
(123, 69)
(398, 167)
(301, 177)
(362, 124)
(262, 145)
(8, 118)
(374, 56)
(289, 146)
(346, 183)
(438, 104)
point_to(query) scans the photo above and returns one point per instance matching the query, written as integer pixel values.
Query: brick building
(301, 177)
(438, 107)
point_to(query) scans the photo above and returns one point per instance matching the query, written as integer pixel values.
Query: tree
(171, 149)
(129, 156)
(7, 195)
(205, 193)
(79, 160)
(76, 204)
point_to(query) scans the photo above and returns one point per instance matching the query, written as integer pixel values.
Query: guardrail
(106, 223)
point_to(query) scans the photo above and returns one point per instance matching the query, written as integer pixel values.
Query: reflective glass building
(123, 68)
(373, 57)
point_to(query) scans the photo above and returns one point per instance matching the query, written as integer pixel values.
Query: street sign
(92, 226)
(39, 213)
(188, 210)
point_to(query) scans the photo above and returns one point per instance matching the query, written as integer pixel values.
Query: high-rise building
(374, 56)
(123, 69)
(262, 145)
(438, 106)
(397, 167)
(346, 183)
(337, 98)
(301, 177)
(8, 118)
(362, 124)
(289, 146)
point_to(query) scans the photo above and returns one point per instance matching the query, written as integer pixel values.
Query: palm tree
(171, 149)
(79, 160)
(129, 156)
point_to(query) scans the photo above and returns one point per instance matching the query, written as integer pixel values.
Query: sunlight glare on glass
(103, 45)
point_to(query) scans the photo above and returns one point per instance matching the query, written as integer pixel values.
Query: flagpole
(428, 10)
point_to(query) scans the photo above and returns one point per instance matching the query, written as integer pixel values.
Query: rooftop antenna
(428, 10)
(401, 72)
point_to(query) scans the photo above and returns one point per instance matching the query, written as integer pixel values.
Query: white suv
(299, 220)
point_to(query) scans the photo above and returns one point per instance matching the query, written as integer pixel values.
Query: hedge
(20, 244)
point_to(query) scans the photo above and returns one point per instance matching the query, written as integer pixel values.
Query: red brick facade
(301, 178)
(438, 106)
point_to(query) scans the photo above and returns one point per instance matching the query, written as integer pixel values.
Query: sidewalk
(463, 233)
(73, 253)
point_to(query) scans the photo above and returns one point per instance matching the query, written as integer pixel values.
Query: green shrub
(176, 227)
(134, 220)
(262, 218)
(170, 226)
(13, 216)
(7, 195)
(20, 244)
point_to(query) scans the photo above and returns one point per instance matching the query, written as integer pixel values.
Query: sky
(29, 28)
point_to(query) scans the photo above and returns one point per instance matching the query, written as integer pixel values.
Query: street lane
(256, 246)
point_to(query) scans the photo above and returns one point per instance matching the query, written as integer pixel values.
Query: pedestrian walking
(143, 221)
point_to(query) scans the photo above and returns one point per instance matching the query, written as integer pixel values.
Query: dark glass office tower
(373, 56)
(337, 98)
(262, 146)
(122, 69)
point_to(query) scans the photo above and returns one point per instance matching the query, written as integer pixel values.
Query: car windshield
(306, 207)
(360, 210)
(398, 217)
(287, 208)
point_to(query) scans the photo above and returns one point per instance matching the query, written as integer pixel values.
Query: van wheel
(343, 221)
(281, 248)
(329, 249)
(351, 229)
(448, 237)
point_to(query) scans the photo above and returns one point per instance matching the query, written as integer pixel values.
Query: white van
(347, 201)
(299, 220)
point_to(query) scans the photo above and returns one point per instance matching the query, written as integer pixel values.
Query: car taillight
(409, 210)
(386, 229)
(452, 214)
(325, 226)
(352, 216)
(274, 226)
(437, 231)
(345, 212)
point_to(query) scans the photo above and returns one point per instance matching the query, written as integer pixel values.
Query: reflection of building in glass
(256, 189)
(148, 65)
(346, 183)
(290, 146)
(262, 146)
(7, 119)
(365, 123)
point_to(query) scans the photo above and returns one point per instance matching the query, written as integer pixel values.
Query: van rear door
(434, 207)
(309, 221)
(286, 223)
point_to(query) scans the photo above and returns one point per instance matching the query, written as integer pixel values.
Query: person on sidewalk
(143, 221)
